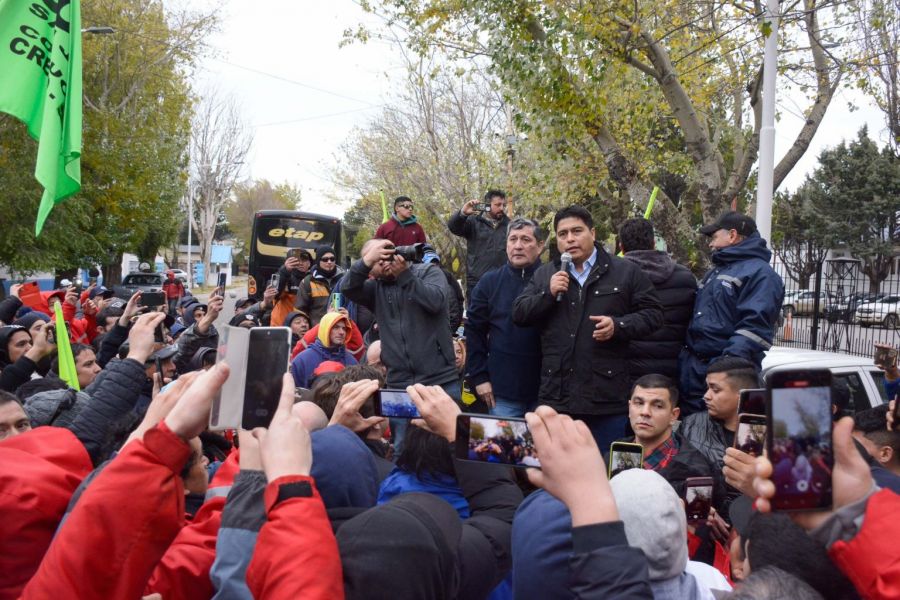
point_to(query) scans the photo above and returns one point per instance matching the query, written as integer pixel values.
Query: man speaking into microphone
(587, 309)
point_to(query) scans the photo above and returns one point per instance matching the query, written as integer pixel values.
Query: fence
(838, 311)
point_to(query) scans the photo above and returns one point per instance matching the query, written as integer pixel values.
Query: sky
(303, 94)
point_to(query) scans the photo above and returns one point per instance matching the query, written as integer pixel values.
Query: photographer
(485, 233)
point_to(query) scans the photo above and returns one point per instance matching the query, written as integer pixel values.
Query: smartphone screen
(886, 357)
(698, 494)
(499, 440)
(274, 281)
(159, 334)
(752, 402)
(152, 299)
(623, 456)
(396, 404)
(799, 443)
(221, 283)
(267, 362)
(750, 436)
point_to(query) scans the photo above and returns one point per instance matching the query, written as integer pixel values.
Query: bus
(275, 232)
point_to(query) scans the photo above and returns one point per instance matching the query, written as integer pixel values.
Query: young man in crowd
(652, 412)
(881, 445)
(330, 345)
(737, 307)
(587, 315)
(485, 234)
(503, 359)
(290, 276)
(316, 287)
(402, 228)
(676, 287)
(13, 420)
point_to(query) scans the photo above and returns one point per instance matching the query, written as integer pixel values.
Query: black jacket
(709, 438)
(455, 301)
(485, 247)
(112, 340)
(676, 287)
(8, 309)
(313, 293)
(189, 342)
(412, 322)
(578, 374)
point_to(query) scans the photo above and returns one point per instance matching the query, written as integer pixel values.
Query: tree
(135, 132)
(249, 198)
(879, 66)
(857, 186)
(666, 92)
(219, 144)
(800, 236)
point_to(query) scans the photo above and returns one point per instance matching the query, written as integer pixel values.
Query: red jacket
(871, 560)
(39, 472)
(183, 571)
(81, 331)
(121, 526)
(296, 554)
(401, 235)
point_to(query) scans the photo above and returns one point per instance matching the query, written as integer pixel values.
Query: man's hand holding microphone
(559, 283)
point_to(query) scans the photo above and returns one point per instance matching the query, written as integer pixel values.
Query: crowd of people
(114, 486)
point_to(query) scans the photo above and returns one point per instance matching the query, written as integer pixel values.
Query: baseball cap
(164, 353)
(242, 302)
(101, 290)
(732, 219)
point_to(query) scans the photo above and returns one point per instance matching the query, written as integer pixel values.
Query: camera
(412, 254)
(482, 207)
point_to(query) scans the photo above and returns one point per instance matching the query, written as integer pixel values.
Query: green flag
(384, 209)
(40, 83)
(67, 370)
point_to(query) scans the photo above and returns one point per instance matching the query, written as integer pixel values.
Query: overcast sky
(303, 94)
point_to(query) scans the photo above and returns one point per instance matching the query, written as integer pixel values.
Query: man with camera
(587, 308)
(483, 224)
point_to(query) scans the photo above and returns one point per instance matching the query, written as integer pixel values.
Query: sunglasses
(328, 259)
(406, 206)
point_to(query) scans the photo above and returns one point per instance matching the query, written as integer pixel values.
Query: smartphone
(886, 357)
(624, 455)
(752, 402)
(221, 283)
(152, 299)
(750, 436)
(159, 370)
(268, 355)
(296, 252)
(396, 404)
(159, 334)
(79, 286)
(482, 207)
(274, 281)
(799, 441)
(30, 294)
(51, 333)
(698, 495)
(498, 440)
(337, 300)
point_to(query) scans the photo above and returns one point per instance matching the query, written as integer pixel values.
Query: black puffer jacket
(708, 437)
(676, 287)
(486, 244)
(578, 374)
(189, 342)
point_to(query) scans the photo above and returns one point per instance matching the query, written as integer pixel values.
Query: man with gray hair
(504, 359)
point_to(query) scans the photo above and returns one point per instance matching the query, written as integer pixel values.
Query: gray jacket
(189, 342)
(412, 322)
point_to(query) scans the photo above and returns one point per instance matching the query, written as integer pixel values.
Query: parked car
(804, 302)
(885, 311)
(845, 308)
(865, 380)
(145, 282)
(180, 275)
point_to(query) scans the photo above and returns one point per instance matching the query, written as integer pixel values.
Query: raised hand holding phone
(438, 410)
(353, 396)
(572, 468)
(285, 447)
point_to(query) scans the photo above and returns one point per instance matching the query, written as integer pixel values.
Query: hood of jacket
(344, 469)
(188, 314)
(654, 520)
(6, 332)
(541, 547)
(416, 535)
(55, 407)
(752, 247)
(400, 481)
(327, 323)
(655, 263)
(412, 219)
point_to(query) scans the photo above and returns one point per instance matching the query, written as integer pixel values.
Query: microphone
(565, 263)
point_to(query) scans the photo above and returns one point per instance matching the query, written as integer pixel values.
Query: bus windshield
(275, 235)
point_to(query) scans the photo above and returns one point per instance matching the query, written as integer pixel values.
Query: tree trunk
(112, 271)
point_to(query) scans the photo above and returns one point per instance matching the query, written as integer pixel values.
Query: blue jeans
(605, 430)
(504, 407)
(399, 426)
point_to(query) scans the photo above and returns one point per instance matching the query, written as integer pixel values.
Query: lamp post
(511, 141)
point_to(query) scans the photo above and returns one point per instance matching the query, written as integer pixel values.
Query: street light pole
(190, 271)
(766, 184)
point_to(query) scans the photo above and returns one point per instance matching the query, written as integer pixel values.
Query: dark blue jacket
(499, 351)
(306, 362)
(737, 306)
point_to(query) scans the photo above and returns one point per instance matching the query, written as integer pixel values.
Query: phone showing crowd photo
(698, 494)
(799, 440)
(752, 402)
(498, 440)
(623, 456)
(395, 404)
(885, 356)
(268, 356)
(750, 436)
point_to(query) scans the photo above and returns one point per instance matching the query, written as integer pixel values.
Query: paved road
(231, 296)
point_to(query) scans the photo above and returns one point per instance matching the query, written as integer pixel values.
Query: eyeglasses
(406, 206)
(328, 259)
